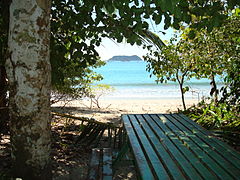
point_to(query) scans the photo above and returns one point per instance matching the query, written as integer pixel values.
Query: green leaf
(237, 11)
(168, 5)
(157, 18)
(183, 3)
(191, 34)
(185, 89)
(167, 21)
(177, 12)
(232, 3)
(110, 8)
(186, 18)
(176, 23)
(145, 25)
(147, 2)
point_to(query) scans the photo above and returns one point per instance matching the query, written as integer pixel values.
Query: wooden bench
(100, 164)
(171, 146)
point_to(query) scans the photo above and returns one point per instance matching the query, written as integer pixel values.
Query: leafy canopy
(78, 27)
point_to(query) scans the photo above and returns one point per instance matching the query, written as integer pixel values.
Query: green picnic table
(172, 146)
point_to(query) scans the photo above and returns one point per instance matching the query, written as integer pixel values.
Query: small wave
(161, 84)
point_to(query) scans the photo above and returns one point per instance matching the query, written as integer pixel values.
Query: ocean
(130, 80)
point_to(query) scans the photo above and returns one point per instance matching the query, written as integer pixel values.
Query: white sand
(111, 110)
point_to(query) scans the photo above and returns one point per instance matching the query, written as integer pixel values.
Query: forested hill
(125, 58)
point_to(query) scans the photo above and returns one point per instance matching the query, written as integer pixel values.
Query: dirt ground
(70, 160)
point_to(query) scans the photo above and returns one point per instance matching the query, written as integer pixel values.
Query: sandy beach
(133, 92)
(111, 110)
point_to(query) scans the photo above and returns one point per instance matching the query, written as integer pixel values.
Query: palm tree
(150, 37)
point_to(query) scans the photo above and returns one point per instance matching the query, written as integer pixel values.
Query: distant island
(125, 58)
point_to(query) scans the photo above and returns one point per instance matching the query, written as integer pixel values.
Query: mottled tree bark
(180, 82)
(28, 70)
(214, 90)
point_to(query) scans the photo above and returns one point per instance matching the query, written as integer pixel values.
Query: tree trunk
(180, 82)
(214, 90)
(182, 95)
(28, 70)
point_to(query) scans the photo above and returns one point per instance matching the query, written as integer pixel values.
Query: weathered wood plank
(197, 147)
(169, 161)
(100, 164)
(213, 154)
(179, 149)
(94, 164)
(107, 162)
(157, 167)
(174, 147)
(218, 144)
(144, 169)
(222, 148)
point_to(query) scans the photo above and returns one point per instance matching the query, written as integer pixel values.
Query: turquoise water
(131, 81)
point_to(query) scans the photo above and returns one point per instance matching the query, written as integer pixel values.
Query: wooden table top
(172, 146)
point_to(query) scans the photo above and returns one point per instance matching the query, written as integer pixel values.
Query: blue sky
(109, 48)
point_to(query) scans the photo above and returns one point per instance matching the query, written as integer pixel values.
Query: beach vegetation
(207, 55)
(167, 63)
(74, 81)
(215, 53)
(219, 54)
(210, 116)
(98, 91)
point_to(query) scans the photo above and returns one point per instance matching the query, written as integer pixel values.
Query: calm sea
(131, 81)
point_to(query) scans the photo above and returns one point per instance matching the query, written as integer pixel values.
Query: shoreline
(152, 93)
